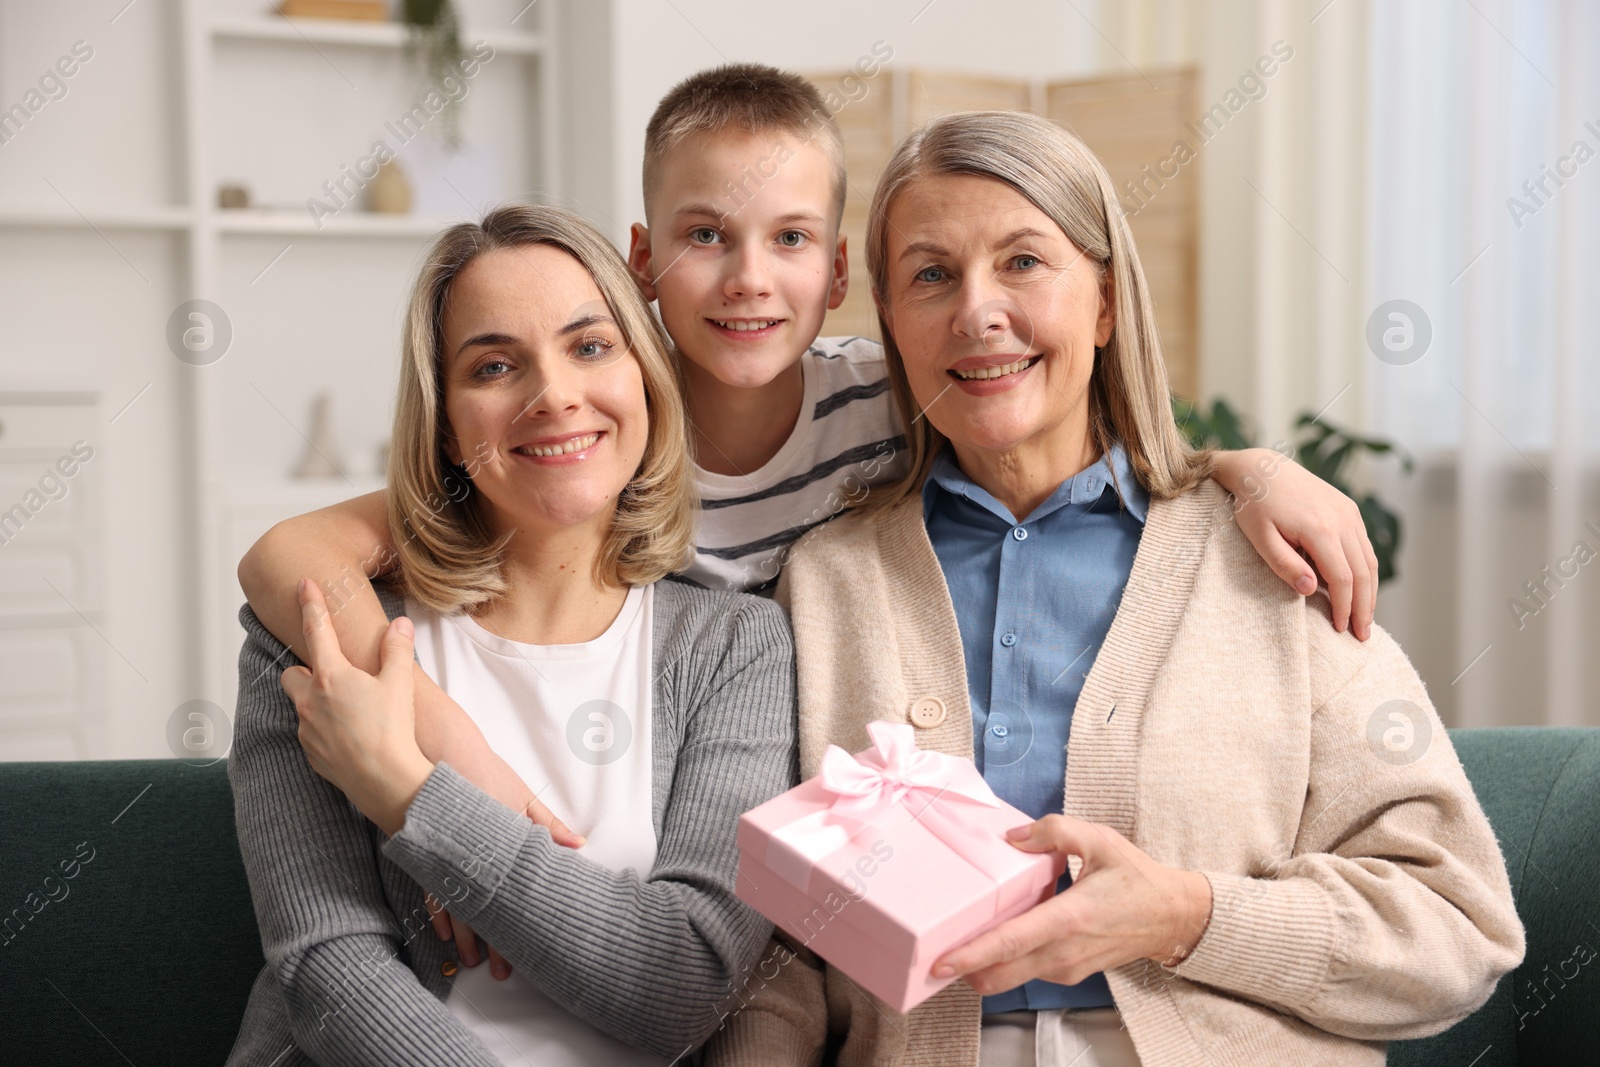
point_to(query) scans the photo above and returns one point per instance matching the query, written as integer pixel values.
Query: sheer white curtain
(1483, 210)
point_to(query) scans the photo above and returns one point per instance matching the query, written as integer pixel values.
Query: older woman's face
(996, 314)
(545, 404)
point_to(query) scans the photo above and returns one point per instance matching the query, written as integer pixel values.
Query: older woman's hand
(359, 731)
(1123, 906)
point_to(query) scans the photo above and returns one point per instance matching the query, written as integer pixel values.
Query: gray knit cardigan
(354, 973)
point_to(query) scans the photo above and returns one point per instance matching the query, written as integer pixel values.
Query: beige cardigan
(1223, 728)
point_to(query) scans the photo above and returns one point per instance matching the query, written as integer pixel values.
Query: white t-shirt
(848, 437)
(574, 722)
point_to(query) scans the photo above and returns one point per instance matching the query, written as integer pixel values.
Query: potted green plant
(434, 43)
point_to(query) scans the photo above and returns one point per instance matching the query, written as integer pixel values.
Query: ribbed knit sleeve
(327, 930)
(1393, 918)
(646, 956)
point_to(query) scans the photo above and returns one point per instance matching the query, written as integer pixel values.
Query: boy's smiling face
(743, 252)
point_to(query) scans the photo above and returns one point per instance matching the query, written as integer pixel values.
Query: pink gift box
(887, 860)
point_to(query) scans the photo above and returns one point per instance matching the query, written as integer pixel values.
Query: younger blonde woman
(538, 496)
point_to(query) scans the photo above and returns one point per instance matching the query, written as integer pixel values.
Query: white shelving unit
(300, 224)
(212, 49)
(227, 510)
(386, 35)
(116, 218)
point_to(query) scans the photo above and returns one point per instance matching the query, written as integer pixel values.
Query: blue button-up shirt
(1034, 601)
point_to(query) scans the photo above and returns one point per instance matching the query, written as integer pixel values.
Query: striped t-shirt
(848, 437)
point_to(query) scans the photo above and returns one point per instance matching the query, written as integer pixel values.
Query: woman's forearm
(1393, 918)
(447, 734)
(350, 1001)
(601, 938)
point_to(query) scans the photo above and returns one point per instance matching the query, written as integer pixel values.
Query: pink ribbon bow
(900, 773)
(894, 772)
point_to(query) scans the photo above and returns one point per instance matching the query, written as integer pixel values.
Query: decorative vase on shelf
(321, 457)
(389, 193)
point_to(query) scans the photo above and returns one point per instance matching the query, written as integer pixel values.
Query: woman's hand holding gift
(1123, 906)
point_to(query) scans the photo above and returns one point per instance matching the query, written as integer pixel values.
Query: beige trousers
(1091, 1037)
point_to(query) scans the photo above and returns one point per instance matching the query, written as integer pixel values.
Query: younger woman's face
(546, 407)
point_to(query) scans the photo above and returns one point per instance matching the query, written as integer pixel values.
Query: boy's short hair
(751, 97)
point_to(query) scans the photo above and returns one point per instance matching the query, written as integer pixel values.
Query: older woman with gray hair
(1057, 591)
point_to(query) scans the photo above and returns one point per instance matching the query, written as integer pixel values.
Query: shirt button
(1008, 640)
(999, 730)
(1019, 533)
(927, 712)
(448, 968)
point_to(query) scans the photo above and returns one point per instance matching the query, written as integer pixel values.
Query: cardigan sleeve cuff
(761, 1037)
(458, 842)
(1268, 939)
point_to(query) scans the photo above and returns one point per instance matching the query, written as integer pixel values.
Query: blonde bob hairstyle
(448, 559)
(1129, 399)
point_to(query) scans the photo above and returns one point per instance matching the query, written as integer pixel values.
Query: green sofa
(128, 936)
